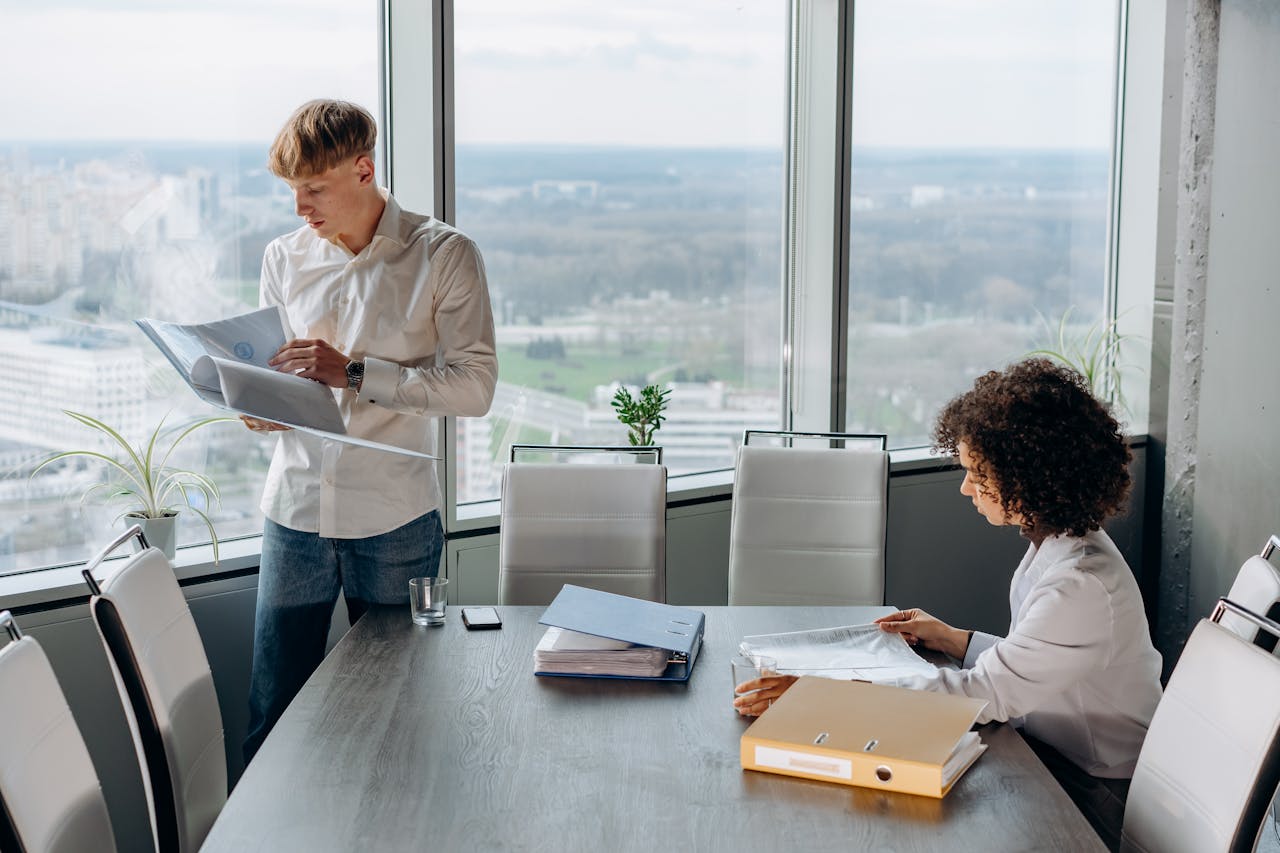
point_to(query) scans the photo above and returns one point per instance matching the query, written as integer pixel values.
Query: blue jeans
(298, 585)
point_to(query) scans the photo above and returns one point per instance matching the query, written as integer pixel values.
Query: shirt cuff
(381, 378)
(978, 644)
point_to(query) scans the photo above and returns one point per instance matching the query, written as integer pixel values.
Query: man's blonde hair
(320, 135)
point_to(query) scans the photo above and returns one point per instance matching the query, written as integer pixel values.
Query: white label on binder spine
(803, 762)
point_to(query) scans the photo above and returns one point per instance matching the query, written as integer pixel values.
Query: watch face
(355, 374)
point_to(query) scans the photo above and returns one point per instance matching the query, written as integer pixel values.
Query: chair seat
(1210, 764)
(1257, 587)
(808, 526)
(48, 787)
(166, 687)
(598, 526)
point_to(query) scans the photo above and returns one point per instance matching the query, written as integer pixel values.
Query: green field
(584, 366)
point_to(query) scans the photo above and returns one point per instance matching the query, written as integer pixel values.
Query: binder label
(803, 762)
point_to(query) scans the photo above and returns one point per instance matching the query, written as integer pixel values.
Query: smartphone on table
(481, 618)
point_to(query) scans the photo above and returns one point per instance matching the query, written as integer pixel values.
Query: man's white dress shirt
(1078, 665)
(414, 304)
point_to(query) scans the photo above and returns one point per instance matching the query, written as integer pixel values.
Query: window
(621, 168)
(979, 195)
(133, 183)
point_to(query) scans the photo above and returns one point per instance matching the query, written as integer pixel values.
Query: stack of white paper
(572, 653)
(864, 652)
(967, 749)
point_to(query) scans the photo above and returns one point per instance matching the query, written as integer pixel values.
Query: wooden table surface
(411, 737)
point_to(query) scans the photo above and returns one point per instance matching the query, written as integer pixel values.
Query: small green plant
(1096, 354)
(141, 478)
(642, 416)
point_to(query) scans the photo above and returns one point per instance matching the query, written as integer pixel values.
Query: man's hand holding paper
(313, 358)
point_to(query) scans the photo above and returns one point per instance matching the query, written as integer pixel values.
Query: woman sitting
(1077, 670)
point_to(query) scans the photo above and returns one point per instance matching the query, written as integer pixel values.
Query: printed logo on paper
(243, 349)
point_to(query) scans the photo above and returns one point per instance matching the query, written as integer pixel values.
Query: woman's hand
(916, 626)
(764, 690)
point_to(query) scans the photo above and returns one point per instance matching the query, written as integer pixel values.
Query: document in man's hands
(862, 652)
(872, 735)
(225, 363)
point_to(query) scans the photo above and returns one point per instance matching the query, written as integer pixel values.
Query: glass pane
(981, 148)
(621, 169)
(132, 184)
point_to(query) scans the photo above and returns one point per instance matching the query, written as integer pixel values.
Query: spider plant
(141, 478)
(1095, 353)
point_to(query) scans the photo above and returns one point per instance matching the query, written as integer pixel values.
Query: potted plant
(641, 415)
(141, 478)
(1096, 354)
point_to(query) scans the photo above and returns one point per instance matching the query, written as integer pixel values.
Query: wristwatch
(355, 374)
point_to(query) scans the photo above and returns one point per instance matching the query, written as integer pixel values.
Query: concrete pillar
(1195, 169)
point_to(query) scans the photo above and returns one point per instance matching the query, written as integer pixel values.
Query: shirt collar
(391, 225)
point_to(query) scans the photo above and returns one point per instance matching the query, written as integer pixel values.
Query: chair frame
(654, 450)
(833, 437)
(156, 773)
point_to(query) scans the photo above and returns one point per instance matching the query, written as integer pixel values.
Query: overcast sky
(950, 73)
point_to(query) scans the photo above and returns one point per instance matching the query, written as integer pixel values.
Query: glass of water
(427, 600)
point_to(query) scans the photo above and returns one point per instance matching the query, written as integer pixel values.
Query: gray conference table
(411, 738)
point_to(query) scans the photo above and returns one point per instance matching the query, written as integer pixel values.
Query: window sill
(43, 589)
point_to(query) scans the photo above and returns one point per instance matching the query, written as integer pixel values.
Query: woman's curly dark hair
(1052, 451)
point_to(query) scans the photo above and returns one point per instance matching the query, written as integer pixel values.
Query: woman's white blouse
(1077, 666)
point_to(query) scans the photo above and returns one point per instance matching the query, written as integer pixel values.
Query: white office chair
(602, 526)
(1257, 588)
(1209, 767)
(50, 799)
(163, 678)
(809, 524)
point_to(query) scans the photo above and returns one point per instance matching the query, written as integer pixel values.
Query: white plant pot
(161, 533)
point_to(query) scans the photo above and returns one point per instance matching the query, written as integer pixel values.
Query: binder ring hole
(883, 773)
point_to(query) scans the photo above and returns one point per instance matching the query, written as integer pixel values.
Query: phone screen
(477, 618)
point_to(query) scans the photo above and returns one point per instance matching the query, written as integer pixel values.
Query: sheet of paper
(283, 397)
(250, 338)
(862, 652)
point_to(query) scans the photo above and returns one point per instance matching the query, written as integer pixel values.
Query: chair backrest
(808, 526)
(1257, 587)
(1210, 764)
(598, 526)
(164, 682)
(50, 799)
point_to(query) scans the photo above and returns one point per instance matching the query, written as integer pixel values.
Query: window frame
(416, 56)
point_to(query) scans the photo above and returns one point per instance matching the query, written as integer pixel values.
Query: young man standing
(391, 309)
